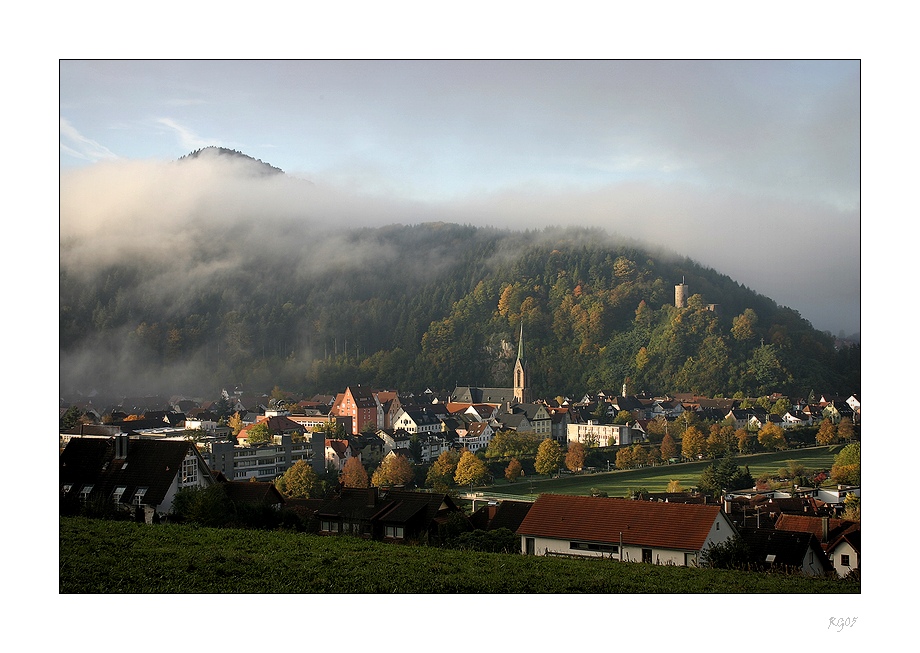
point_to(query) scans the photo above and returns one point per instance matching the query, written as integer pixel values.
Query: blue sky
(750, 167)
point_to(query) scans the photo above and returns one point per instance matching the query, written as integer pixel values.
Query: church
(518, 394)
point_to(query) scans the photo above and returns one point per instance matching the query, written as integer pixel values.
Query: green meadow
(655, 479)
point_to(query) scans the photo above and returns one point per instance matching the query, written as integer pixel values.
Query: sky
(750, 167)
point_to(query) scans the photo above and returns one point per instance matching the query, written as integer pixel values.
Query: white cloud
(187, 138)
(81, 147)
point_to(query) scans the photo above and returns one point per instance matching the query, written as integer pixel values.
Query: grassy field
(655, 479)
(106, 557)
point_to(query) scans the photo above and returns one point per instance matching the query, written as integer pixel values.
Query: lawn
(120, 557)
(655, 479)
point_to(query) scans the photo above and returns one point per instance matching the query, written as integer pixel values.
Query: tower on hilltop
(681, 292)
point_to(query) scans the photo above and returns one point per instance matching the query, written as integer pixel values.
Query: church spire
(521, 382)
(521, 343)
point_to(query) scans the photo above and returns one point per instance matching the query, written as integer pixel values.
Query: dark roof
(389, 506)
(853, 537)
(507, 514)
(815, 525)
(136, 425)
(602, 519)
(282, 424)
(674, 497)
(775, 548)
(514, 420)
(153, 464)
(473, 395)
(93, 429)
(304, 507)
(253, 492)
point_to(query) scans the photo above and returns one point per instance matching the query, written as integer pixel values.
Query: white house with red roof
(338, 452)
(623, 529)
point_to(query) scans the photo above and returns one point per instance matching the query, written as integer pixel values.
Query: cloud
(210, 217)
(187, 138)
(79, 146)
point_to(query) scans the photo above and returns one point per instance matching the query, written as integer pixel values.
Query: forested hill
(256, 165)
(432, 305)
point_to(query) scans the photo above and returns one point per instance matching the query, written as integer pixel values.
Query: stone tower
(521, 389)
(681, 292)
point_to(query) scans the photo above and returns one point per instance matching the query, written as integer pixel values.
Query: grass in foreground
(98, 556)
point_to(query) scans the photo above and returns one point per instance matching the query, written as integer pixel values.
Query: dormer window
(116, 495)
(84, 493)
(139, 495)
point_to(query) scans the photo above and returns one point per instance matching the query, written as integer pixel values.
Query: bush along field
(101, 556)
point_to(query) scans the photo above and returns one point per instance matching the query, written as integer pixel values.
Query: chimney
(121, 446)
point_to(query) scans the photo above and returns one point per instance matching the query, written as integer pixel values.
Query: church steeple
(521, 389)
(521, 344)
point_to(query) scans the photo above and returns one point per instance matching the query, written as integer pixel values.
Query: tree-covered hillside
(432, 305)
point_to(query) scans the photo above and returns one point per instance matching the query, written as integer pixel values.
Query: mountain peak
(213, 150)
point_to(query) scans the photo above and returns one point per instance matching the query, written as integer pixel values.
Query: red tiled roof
(602, 519)
(339, 446)
(815, 525)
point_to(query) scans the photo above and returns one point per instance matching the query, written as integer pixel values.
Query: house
(477, 436)
(600, 435)
(254, 492)
(623, 529)
(559, 424)
(667, 408)
(837, 410)
(432, 445)
(397, 440)
(758, 421)
(770, 549)
(421, 420)
(793, 418)
(385, 514)
(370, 447)
(843, 552)
(515, 422)
(839, 538)
(133, 473)
(537, 416)
(361, 405)
(743, 418)
(338, 452)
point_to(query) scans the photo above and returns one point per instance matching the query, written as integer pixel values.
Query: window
(396, 532)
(592, 546)
(116, 495)
(190, 470)
(844, 560)
(329, 526)
(84, 493)
(646, 555)
(139, 495)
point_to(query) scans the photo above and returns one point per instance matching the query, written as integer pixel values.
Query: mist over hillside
(188, 276)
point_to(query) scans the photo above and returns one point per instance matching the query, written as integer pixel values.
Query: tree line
(447, 312)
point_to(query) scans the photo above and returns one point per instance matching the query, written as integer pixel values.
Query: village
(140, 453)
